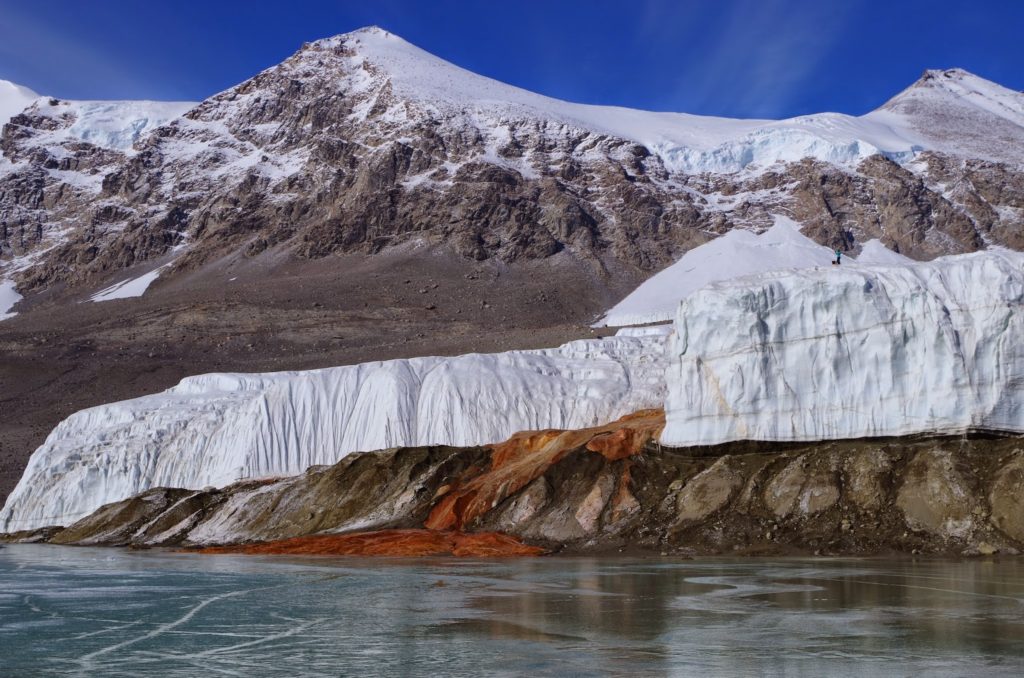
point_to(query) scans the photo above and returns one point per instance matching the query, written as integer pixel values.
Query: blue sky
(745, 58)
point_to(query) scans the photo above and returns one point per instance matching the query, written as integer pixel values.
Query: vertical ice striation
(215, 429)
(851, 352)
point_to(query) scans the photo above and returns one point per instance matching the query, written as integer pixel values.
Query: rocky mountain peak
(937, 77)
(375, 56)
(960, 112)
(371, 32)
(952, 86)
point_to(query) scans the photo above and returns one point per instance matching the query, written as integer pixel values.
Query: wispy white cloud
(53, 61)
(756, 56)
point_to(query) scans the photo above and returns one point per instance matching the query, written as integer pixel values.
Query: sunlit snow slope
(215, 429)
(13, 100)
(109, 124)
(847, 352)
(737, 253)
(694, 143)
(686, 143)
(962, 113)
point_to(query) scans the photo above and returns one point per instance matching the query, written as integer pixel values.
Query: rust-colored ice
(408, 543)
(514, 464)
(525, 456)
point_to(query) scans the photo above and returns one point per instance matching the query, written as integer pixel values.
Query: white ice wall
(217, 428)
(836, 352)
(850, 352)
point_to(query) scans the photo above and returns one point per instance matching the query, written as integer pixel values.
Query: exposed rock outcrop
(216, 429)
(604, 489)
(1006, 498)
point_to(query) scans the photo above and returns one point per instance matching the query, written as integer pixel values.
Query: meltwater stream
(79, 611)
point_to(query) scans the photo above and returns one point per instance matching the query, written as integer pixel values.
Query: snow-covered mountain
(957, 112)
(53, 169)
(363, 142)
(363, 194)
(684, 143)
(689, 144)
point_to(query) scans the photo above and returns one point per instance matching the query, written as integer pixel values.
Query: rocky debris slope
(363, 142)
(851, 352)
(604, 489)
(218, 428)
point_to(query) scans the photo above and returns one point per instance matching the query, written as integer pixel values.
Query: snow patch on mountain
(851, 352)
(117, 125)
(13, 100)
(215, 429)
(133, 287)
(736, 254)
(8, 298)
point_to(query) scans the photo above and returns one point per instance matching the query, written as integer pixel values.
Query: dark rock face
(606, 489)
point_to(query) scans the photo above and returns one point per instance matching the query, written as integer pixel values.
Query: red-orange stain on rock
(619, 444)
(514, 464)
(408, 543)
(623, 503)
(526, 456)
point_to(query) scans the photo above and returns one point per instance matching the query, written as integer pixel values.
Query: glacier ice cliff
(850, 352)
(214, 429)
(828, 353)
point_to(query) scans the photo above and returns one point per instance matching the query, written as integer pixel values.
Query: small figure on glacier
(839, 256)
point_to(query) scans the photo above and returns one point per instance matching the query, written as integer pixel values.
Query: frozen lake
(111, 612)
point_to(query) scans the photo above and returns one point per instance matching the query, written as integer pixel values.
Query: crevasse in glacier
(845, 352)
(215, 429)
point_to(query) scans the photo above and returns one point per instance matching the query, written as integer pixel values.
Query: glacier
(117, 125)
(215, 429)
(881, 347)
(850, 352)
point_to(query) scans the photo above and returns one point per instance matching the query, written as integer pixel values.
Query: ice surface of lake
(110, 612)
